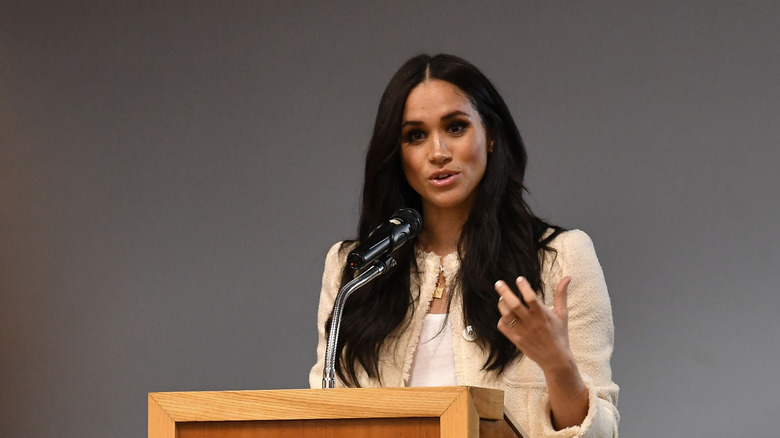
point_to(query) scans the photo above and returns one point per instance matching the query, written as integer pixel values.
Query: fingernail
(499, 283)
(520, 279)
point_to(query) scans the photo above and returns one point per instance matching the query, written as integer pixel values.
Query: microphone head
(386, 238)
(411, 217)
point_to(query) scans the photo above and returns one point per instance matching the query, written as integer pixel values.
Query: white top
(434, 360)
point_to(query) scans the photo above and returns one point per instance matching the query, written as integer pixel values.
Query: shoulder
(574, 248)
(572, 241)
(572, 253)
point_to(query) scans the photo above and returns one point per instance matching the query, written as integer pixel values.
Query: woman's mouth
(443, 179)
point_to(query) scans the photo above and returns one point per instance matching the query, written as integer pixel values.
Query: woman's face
(443, 147)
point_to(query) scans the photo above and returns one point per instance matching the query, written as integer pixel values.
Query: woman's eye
(457, 128)
(414, 136)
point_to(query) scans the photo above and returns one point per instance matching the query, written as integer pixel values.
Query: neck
(441, 230)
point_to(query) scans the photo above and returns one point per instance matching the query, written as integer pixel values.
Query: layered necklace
(441, 282)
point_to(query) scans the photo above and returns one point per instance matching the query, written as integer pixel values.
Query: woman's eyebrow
(450, 115)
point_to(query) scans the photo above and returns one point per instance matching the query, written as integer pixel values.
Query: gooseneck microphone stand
(378, 268)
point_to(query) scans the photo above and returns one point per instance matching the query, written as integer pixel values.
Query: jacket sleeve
(331, 278)
(591, 337)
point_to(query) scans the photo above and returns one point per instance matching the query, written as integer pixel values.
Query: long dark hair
(501, 238)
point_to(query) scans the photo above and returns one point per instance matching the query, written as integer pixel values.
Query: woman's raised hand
(540, 333)
(543, 335)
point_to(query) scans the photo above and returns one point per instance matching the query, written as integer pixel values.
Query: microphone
(386, 238)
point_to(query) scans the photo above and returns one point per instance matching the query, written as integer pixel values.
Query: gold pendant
(439, 291)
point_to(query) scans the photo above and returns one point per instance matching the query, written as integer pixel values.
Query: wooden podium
(452, 412)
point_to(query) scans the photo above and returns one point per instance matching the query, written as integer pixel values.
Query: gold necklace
(441, 281)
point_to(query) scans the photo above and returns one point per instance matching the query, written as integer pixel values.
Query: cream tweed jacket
(591, 336)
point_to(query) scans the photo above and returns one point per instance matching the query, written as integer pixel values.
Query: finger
(508, 321)
(507, 331)
(503, 307)
(561, 297)
(527, 292)
(508, 318)
(509, 299)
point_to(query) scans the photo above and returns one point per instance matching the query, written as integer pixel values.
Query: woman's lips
(443, 179)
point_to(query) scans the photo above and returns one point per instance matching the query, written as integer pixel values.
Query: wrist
(565, 374)
(568, 395)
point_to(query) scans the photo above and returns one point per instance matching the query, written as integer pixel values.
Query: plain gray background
(172, 174)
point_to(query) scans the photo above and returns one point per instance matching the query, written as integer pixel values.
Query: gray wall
(172, 174)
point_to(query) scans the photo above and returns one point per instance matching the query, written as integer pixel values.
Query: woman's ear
(490, 146)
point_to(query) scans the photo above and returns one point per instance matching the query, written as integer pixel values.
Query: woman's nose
(440, 153)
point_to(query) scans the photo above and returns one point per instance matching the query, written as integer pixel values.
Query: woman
(489, 294)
